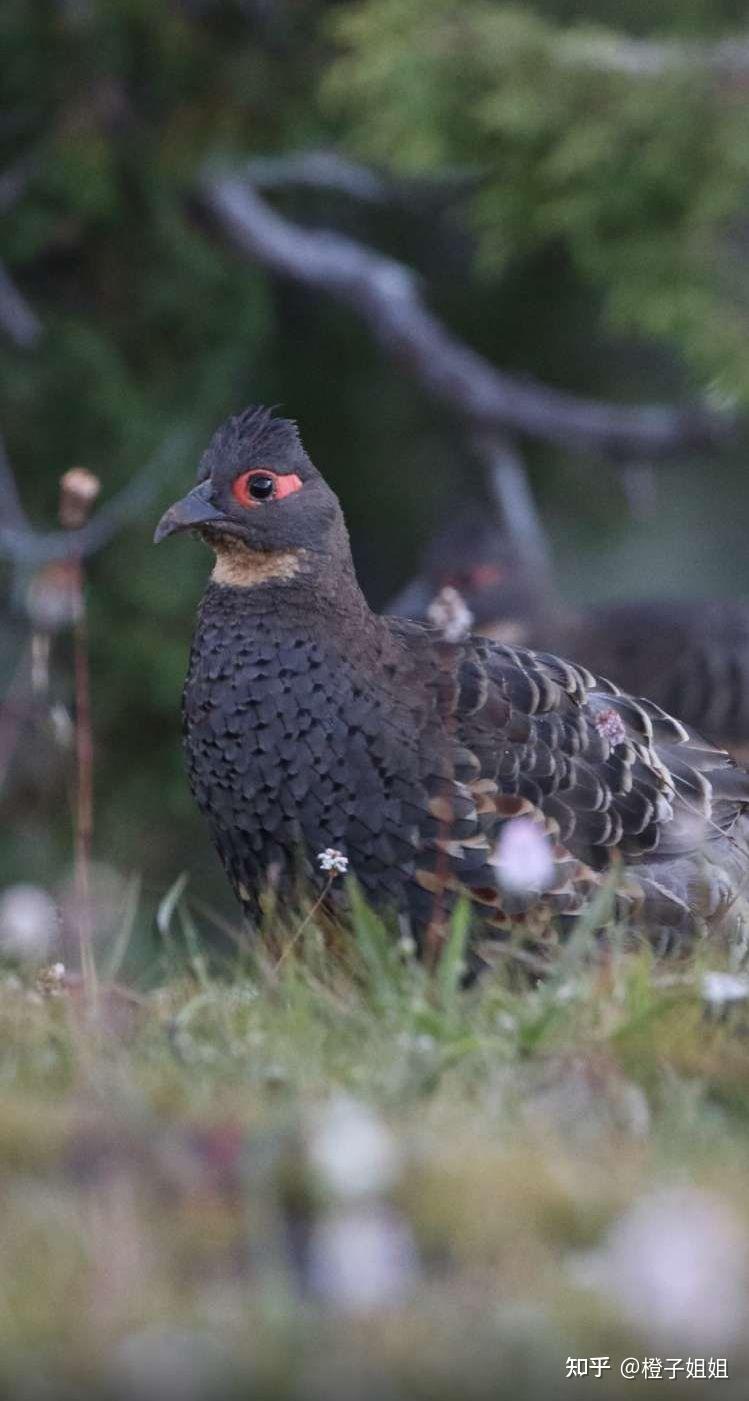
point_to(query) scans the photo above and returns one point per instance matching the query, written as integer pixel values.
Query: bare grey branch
(17, 319)
(321, 170)
(386, 295)
(510, 488)
(649, 58)
(14, 181)
(328, 170)
(11, 510)
(26, 546)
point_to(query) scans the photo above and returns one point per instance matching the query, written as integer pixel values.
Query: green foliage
(640, 177)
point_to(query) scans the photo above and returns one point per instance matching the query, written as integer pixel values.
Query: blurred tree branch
(25, 546)
(386, 295)
(510, 490)
(325, 169)
(320, 170)
(17, 320)
(12, 511)
(14, 181)
(648, 58)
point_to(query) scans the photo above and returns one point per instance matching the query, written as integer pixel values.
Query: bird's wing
(691, 656)
(612, 771)
(604, 776)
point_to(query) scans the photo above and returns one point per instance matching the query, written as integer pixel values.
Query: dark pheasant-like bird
(691, 656)
(310, 722)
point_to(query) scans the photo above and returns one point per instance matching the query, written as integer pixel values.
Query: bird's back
(692, 656)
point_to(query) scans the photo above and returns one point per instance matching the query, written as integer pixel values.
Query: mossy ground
(341, 1175)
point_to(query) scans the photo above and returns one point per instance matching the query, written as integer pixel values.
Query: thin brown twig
(312, 911)
(14, 711)
(78, 491)
(84, 799)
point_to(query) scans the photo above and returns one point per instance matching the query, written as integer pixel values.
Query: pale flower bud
(450, 613)
(79, 489)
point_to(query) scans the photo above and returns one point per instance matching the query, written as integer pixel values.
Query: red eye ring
(260, 484)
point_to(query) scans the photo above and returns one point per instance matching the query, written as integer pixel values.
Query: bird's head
(496, 582)
(260, 503)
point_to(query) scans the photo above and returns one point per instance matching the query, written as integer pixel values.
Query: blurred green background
(571, 187)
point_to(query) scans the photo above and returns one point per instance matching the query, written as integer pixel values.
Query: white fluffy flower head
(333, 860)
(450, 613)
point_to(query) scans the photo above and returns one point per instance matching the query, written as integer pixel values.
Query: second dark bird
(689, 655)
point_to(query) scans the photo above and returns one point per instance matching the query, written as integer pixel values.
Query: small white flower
(333, 860)
(522, 856)
(450, 613)
(721, 988)
(609, 723)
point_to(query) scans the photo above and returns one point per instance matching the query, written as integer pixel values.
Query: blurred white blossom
(450, 613)
(363, 1258)
(28, 923)
(522, 856)
(719, 989)
(675, 1265)
(351, 1150)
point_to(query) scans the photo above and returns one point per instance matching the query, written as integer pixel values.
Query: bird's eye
(257, 486)
(260, 487)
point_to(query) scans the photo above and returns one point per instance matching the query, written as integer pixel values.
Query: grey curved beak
(190, 513)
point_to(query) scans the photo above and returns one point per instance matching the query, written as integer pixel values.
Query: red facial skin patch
(482, 576)
(283, 485)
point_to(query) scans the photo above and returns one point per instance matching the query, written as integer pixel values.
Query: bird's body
(312, 723)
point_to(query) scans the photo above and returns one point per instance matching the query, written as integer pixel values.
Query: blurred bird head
(260, 503)
(475, 558)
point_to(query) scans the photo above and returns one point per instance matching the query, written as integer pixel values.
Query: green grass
(334, 1173)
